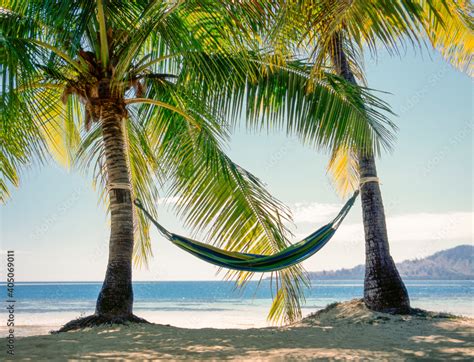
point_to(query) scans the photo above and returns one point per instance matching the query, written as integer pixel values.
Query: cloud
(313, 212)
(411, 235)
(420, 227)
(457, 225)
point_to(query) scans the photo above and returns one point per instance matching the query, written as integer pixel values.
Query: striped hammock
(291, 255)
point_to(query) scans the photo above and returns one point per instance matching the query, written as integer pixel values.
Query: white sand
(346, 331)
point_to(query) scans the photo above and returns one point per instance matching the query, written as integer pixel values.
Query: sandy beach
(343, 331)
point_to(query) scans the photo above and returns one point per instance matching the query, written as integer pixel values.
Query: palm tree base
(392, 300)
(390, 310)
(99, 320)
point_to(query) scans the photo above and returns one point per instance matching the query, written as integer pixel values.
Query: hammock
(291, 255)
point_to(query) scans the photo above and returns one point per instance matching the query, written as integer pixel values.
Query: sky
(59, 231)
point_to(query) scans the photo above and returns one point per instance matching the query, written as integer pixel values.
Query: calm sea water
(214, 304)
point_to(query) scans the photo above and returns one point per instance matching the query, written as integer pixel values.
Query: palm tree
(336, 34)
(141, 93)
(106, 84)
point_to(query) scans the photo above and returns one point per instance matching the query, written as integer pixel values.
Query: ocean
(43, 306)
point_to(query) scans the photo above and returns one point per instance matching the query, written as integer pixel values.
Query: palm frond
(327, 112)
(449, 27)
(21, 142)
(343, 169)
(370, 24)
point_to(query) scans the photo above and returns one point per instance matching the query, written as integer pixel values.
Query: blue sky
(60, 232)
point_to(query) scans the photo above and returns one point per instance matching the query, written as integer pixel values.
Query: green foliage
(447, 25)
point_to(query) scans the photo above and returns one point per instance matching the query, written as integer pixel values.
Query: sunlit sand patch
(322, 353)
(435, 339)
(144, 355)
(204, 348)
(410, 352)
(466, 352)
(110, 330)
(69, 341)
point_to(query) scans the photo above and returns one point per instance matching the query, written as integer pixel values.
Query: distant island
(455, 263)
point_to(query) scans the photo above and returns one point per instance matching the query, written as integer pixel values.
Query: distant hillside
(455, 263)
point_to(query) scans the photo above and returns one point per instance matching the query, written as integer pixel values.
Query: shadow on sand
(345, 330)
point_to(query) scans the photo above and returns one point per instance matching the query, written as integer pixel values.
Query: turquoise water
(197, 304)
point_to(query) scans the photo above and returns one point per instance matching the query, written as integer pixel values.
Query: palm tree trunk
(115, 301)
(384, 290)
(116, 297)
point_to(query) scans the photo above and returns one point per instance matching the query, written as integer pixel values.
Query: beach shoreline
(342, 330)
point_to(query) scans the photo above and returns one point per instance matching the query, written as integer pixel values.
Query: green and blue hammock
(291, 255)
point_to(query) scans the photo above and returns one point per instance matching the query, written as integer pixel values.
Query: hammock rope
(291, 255)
